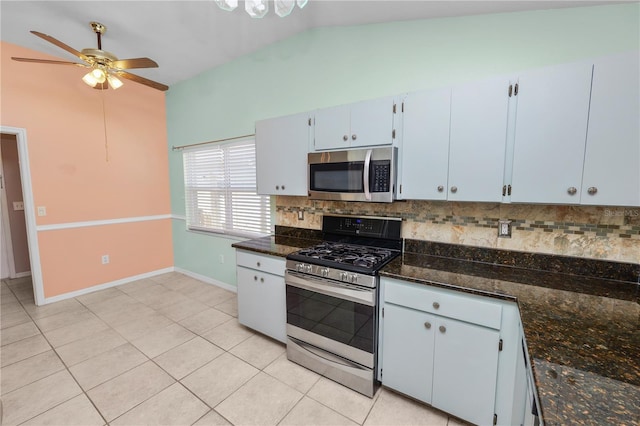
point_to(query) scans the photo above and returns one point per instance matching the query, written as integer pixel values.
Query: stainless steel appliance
(353, 175)
(332, 299)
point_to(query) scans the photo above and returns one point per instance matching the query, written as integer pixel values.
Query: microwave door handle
(367, 165)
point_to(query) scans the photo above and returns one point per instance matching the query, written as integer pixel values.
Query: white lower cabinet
(408, 351)
(447, 349)
(261, 294)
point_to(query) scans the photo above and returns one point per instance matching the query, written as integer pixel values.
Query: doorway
(15, 249)
(19, 239)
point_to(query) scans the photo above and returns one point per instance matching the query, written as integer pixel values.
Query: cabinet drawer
(261, 262)
(443, 302)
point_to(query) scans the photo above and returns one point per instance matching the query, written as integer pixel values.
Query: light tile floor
(166, 350)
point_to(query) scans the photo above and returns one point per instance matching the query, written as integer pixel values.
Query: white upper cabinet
(424, 150)
(550, 134)
(282, 145)
(367, 123)
(612, 160)
(478, 140)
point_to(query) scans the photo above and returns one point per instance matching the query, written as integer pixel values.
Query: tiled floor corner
(166, 350)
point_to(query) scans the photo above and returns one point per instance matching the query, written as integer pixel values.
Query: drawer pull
(436, 305)
(258, 264)
(442, 329)
(261, 280)
(427, 325)
(255, 278)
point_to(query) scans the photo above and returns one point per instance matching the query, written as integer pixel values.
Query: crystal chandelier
(259, 8)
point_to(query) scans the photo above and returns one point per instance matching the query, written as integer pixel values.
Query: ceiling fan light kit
(105, 67)
(259, 8)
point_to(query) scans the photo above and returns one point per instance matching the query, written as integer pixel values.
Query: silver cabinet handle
(442, 329)
(572, 190)
(353, 137)
(592, 190)
(440, 188)
(345, 138)
(436, 305)
(427, 325)
(454, 189)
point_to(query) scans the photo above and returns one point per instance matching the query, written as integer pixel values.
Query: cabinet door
(281, 155)
(478, 140)
(465, 370)
(550, 134)
(261, 302)
(332, 128)
(372, 122)
(425, 145)
(612, 160)
(407, 351)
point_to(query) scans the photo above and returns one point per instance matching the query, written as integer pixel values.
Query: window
(220, 190)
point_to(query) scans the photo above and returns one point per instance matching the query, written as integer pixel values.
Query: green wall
(332, 66)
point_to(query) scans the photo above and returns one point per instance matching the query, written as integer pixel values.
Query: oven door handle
(359, 295)
(367, 166)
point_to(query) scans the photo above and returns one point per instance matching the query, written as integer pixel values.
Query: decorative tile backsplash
(611, 233)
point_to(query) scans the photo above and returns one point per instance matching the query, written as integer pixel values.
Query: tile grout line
(68, 371)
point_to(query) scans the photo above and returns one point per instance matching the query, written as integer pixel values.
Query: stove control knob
(344, 276)
(353, 278)
(324, 272)
(308, 268)
(300, 267)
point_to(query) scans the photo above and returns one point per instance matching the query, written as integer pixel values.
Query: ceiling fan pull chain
(104, 120)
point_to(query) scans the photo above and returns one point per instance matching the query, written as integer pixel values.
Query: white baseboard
(23, 274)
(106, 285)
(207, 280)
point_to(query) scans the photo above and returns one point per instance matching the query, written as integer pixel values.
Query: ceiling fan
(105, 67)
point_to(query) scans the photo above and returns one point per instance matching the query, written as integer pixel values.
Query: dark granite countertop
(582, 328)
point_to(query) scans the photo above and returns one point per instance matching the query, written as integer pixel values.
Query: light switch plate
(42, 211)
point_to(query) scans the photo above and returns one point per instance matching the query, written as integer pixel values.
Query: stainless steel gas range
(332, 299)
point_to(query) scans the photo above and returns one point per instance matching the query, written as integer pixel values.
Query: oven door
(337, 317)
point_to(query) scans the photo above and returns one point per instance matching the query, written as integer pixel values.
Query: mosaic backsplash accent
(610, 233)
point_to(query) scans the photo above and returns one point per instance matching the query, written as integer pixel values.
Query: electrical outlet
(504, 228)
(105, 259)
(300, 214)
(221, 258)
(42, 211)
(18, 205)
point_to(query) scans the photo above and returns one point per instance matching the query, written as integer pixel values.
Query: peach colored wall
(70, 127)
(72, 254)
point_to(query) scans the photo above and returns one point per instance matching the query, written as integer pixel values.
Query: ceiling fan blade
(59, 44)
(135, 63)
(142, 80)
(47, 61)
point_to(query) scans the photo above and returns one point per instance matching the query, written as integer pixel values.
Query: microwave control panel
(381, 176)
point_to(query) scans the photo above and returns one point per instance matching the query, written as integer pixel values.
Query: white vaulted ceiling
(189, 37)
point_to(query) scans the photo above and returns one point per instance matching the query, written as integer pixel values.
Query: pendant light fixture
(259, 8)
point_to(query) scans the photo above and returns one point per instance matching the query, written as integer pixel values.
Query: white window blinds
(220, 190)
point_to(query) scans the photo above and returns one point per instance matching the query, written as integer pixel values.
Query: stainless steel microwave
(353, 175)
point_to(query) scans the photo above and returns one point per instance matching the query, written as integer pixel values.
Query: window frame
(234, 182)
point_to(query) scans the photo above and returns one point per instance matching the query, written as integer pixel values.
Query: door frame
(6, 226)
(29, 211)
